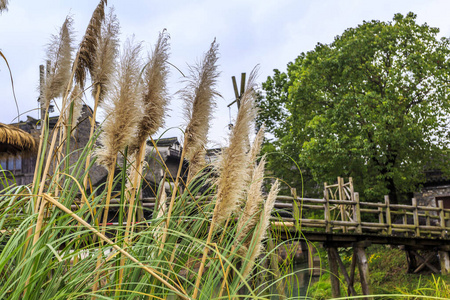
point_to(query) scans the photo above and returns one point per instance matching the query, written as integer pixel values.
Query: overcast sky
(249, 32)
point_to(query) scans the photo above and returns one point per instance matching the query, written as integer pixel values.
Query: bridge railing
(360, 217)
(364, 217)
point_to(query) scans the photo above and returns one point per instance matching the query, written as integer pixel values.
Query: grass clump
(196, 244)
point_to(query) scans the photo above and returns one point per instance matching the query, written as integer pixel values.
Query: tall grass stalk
(232, 170)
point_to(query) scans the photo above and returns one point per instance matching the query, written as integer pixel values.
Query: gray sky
(249, 32)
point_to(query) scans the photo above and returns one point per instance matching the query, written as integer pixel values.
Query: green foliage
(372, 105)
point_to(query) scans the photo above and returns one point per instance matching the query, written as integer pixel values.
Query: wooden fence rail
(365, 217)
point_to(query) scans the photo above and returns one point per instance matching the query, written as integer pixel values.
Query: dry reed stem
(149, 270)
(225, 279)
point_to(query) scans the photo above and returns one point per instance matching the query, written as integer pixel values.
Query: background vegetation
(372, 105)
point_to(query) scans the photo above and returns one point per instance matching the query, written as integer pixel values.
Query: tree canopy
(373, 104)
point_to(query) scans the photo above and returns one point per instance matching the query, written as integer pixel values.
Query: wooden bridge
(340, 219)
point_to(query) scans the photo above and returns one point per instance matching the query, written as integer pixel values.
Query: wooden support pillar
(363, 268)
(334, 272)
(445, 262)
(350, 288)
(314, 264)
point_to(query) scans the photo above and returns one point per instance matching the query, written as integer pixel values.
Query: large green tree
(373, 104)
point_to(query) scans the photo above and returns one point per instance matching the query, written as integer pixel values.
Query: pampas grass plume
(261, 231)
(106, 55)
(233, 163)
(199, 96)
(155, 96)
(256, 147)
(3, 5)
(253, 206)
(88, 46)
(59, 54)
(123, 108)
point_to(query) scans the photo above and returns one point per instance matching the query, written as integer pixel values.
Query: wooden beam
(235, 88)
(424, 262)
(242, 85)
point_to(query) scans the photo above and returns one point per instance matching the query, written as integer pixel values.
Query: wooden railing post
(388, 214)
(358, 213)
(416, 217)
(442, 218)
(381, 219)
(342, 206)
(326, 213)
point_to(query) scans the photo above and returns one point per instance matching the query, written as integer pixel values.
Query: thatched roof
(15, 141)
